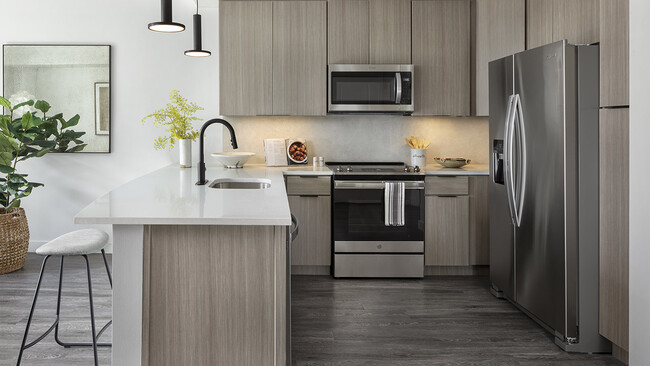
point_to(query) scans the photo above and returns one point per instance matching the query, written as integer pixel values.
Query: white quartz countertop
(170, 196)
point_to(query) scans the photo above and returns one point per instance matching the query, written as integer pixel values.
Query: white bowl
(233, 159)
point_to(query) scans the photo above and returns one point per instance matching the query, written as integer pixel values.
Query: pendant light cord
(197, 6)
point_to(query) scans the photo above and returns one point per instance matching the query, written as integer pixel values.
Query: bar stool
(76, 243)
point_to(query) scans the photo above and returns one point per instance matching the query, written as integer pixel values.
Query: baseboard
(310, 270)
(35, 244)
(456, 270)
(620, 354)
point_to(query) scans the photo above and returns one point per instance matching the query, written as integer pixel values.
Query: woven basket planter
(14, 240)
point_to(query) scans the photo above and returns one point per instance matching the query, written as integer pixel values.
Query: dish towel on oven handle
(394, 203)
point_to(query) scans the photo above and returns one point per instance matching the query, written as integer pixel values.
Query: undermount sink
(243, 183)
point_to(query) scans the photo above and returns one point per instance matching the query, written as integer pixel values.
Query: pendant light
(166, 25)
(198, 50)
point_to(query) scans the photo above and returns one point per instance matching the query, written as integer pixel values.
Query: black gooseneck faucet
(233, 141)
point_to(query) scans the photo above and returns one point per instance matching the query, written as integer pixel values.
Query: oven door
(358, 212)
(370, 88)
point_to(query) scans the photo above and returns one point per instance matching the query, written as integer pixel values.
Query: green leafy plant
(177, 117)
(30, 135)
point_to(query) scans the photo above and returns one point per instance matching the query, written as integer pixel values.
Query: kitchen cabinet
(363, 31)
(539, 23)
(390, 32)
(499, 31)
(245, 58)
(457, 227)
(614, 53)
(446, 234)
(479, 225)
(347, 31)
(555, 20)
(614, 221)
(441, 55)
(299, 58)
(310, 202)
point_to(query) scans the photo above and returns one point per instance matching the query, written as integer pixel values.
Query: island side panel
(127, 294)
(216, 295)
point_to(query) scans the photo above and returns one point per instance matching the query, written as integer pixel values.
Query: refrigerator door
(540, 259)
(502, 260)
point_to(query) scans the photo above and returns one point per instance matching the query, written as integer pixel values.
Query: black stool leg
(58, 304)
(108, 269)
(58, 307)
(92, 309)
(31, 312)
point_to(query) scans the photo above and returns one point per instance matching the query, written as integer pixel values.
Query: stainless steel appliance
(544, 189)
(370, 89)
(366, 242)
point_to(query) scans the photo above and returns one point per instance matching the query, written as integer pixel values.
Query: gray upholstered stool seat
(80, 242)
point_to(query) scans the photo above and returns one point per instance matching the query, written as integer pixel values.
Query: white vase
(185, 150)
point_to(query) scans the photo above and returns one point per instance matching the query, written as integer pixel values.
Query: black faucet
(233, 141)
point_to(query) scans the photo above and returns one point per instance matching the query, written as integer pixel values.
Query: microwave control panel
(406, 89)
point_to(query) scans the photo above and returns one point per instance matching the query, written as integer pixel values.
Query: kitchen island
(199, 273)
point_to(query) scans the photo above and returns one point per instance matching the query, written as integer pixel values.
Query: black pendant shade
(198, 50)
(166, 25)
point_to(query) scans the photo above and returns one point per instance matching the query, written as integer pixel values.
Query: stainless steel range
(377, 220)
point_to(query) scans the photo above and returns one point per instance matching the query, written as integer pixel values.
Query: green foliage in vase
(177, 118)
(30, 135)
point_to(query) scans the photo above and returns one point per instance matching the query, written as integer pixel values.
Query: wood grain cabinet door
(614, 53)
(299, 58)
(312, 247)
(245, 74)
(614, 222)
(499, 31)
(554, 20)
(479, 225)
(446, 231)
(390, 32)
(347, 31)
(441, 55)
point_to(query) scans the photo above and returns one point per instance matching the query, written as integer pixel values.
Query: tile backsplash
(366, 137)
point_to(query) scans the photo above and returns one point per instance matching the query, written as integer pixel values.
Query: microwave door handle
(398, 88)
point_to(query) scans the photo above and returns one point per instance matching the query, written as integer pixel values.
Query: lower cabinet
(312, 247)
(446, 231)
(310, 202)
(456, 229)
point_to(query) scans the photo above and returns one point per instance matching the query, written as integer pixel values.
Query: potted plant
(177, 117)
(25, 132)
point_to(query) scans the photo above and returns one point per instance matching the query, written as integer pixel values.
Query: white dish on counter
(233, 159)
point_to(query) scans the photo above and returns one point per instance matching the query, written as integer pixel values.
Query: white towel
(394, 203)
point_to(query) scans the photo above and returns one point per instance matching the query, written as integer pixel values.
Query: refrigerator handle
(521, 157)
(508, 158)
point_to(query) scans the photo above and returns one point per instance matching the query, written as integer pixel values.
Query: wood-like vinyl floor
(435, 321)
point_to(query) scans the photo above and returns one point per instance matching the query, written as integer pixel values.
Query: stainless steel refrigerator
(543, 190)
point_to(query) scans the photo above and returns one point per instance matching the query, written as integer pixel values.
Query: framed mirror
(74, 79)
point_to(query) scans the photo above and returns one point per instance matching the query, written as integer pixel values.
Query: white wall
(639, 183)
(145, 67)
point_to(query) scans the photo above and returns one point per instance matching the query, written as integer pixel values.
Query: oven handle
(351, 184)
(398, 88)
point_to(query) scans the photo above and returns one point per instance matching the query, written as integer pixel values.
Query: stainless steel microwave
(370, 88)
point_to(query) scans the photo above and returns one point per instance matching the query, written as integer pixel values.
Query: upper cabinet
(363, 31)
(299, 59)
(614, 53)
(272, 58)
(555, 20)
(499, 31)
(245, 58)
(347, 32)
(390, 32)
(441, 55)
